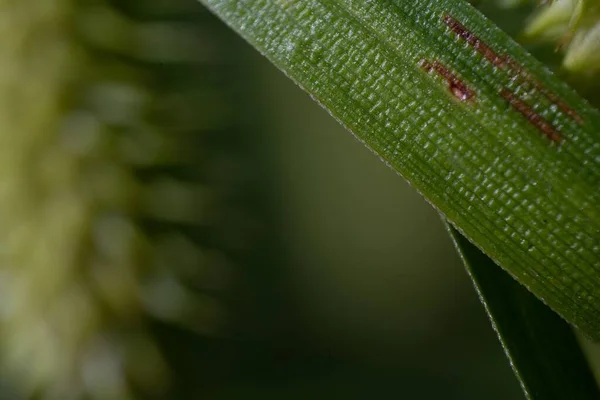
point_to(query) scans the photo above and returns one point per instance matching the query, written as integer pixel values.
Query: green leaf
(541, 347)
(507, 152)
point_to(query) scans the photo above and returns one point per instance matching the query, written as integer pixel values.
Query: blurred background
(196, 227)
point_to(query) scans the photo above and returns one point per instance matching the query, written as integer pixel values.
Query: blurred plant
(104, 188)
(574, 25)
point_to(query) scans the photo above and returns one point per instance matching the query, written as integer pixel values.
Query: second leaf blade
(541, 347)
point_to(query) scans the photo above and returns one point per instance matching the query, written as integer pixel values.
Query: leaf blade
(529, 203)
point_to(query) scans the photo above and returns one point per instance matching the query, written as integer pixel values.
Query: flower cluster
(574, 25)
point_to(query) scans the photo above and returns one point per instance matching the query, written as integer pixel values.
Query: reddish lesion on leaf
(534, 118)
(455, 85)
(562, 106)
(474, 41)
(505, 62)
(537, 85)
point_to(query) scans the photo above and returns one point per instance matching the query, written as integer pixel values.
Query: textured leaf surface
(542, 348)
(507, 152)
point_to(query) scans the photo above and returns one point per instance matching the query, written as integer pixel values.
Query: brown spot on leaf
(562, 106)
(474, 41)
(534, 118)
(455, 85)
(503, 61)
(537, 85)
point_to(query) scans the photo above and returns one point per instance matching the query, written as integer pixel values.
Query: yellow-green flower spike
(77, 273)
